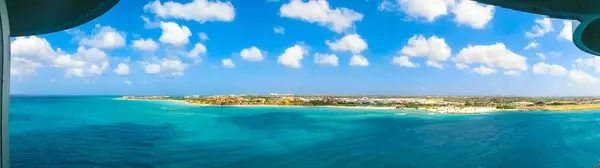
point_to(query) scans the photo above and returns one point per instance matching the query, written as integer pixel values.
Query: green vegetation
(415, 102)
(505, 106)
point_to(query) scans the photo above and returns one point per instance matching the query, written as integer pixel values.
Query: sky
(392, 47)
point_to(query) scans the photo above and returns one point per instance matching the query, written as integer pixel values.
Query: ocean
(86, 131)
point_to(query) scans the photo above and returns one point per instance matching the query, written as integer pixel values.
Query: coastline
(267, 105)
(296, 106)
(439, 110)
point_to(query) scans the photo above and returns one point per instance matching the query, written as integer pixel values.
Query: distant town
(439, 104)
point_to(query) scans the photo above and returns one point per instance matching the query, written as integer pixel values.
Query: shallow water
(103, 132)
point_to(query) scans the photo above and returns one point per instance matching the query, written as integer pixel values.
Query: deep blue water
(84, 132)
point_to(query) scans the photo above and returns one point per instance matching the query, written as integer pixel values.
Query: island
(436, 104)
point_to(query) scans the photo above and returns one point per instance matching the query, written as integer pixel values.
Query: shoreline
(295, 106)
(267, 105)
(438, 110)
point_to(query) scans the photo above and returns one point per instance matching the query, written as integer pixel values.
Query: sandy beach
(461, 110)
(292, 106)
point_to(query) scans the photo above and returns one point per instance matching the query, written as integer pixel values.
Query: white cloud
(145, 44)
(85, 62)
(592, 62)
(531, 45)
(318, 11)
(435, 64)
(128, 82)
(567, 32)
(105, 37)
(428, 9)
(33, 48)
(152, 68)
(122, 69)
(203, 36)
(30, 53)
(543, 26)
(173, 34)
(386, 5)
(23, 67)
(326, 59)
(197, 10)
(581, 77)
(404, 61)
(196, 52)
(512, 73)
(472, 13)
(279, 30)
(351, 42)
(359, 60)
(228, 63)
(484, 70)
(166, 66)
(252, 54)
(434, 48)
(542, 56)
(548, 69)
(291, 56)
(496, 55)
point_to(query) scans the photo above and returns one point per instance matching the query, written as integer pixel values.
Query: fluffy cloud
(581, 77)
(85, 62)
(472, 13)
(512, 73)
(166, 66)
(531, 45)
(350, 42)
(145, 44)
(197, 10)
(592, 62)
(128, 82)
(434, 48)
(30, 53)
(252, 54)
(122, 69)
(152, 68)
(466, 12)
(196, 52)
(279, 30)
(567, 32)
(228, 63)
(496, 55)
(291, 56)
(548, 69)
(318, 11)
(174, 34)
(404, 61)
(23, 67)
(105, 37)
(359, 60)
(542, 27)
(428, 9)
(326, 59)
(484, 70)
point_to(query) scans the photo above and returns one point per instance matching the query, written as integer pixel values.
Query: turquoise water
(103, 132)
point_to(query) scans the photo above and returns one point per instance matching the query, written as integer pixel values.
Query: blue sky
(400, 47)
